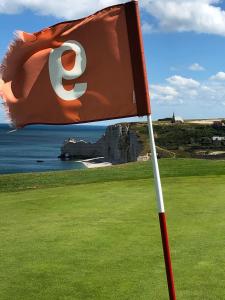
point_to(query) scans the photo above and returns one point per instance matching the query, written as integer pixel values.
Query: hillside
(129, 142)
(185, 140)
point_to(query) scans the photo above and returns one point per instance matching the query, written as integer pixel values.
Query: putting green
(101, 240)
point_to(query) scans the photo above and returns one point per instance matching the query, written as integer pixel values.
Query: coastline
(97, 162)
(20, 150)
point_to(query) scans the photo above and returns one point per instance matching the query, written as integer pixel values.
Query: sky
(184, 43)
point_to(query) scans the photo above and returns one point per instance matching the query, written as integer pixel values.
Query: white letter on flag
(58, 72)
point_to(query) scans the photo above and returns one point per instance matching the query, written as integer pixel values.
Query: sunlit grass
(95, 234)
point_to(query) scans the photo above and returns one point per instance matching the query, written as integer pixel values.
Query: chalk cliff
(121, 145)
(118, 145)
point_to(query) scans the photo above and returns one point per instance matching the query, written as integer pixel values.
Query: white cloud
(208, 94)
(196, 67)
(218, 76)
(67, 9)
(147, 28)
(206, 88)
(183, 81)
(163, 93)
(201, 16)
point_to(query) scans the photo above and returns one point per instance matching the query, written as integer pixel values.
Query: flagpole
(161, 212)
(143, 106)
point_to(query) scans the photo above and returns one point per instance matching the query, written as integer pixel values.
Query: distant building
(218, 138)
(218, 124)
(176, 119)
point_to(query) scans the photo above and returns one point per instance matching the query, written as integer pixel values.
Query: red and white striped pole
(140, 75)
(161, 211)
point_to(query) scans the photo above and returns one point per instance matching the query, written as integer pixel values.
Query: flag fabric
(77, 71)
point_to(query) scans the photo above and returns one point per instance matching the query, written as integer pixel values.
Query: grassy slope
(183, 140)
(131, 171)
(99, 238)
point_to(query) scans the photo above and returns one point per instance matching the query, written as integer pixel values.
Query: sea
(36, 148)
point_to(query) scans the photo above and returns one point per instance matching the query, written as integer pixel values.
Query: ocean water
(20, 150)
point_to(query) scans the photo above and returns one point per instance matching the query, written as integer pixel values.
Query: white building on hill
(218, 138)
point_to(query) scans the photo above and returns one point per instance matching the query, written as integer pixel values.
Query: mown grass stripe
(132, 171)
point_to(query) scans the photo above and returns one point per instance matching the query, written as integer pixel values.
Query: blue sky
(184, 47)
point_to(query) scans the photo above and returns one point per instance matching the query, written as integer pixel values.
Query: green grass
(94, 234)
(131, 171)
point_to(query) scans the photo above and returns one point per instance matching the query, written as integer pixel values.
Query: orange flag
(78, 71)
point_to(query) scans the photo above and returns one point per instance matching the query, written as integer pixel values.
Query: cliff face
(80, 149)
(118, 145)
(121, 145)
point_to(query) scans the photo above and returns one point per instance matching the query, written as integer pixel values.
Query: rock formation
(79, 149)
(118, 145)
